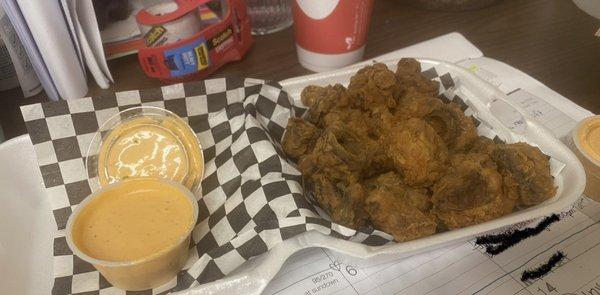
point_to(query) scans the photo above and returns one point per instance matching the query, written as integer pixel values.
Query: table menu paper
(463, 268)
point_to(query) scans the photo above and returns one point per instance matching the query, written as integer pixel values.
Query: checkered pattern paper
(252, 196)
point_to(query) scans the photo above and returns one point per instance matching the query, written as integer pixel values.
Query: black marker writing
(496, 244)
(543, 269)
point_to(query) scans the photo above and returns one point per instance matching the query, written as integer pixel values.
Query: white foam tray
(26, 222)
(21, 190)
(254, 275)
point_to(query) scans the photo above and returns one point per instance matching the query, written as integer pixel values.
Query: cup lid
(145, 142)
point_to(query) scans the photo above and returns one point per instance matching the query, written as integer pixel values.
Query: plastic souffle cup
(145, 142)
(585, 143)
(150, 271)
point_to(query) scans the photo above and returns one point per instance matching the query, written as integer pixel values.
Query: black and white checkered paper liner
(252, 197)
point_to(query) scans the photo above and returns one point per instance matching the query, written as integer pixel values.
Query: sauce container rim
(110, 124)
(577, 142)
(95, 261)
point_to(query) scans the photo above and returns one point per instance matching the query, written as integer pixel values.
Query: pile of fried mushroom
(387, 152)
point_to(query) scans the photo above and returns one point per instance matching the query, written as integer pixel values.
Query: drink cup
(331, 34)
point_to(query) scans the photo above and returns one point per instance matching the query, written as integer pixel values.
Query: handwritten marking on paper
(322, 282)
(351, 270)
(336, 265)
(322, 277)
(593, 290)
(546, 290)
(554, 119)
(498, 243)
(543, 112)
(542, 270)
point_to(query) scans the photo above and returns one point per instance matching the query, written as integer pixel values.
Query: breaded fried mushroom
(417, 152)
(526, 173)
(299, 137)
(470, 192)
(390, 213)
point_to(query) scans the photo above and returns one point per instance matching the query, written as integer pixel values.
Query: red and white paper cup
(331, 34)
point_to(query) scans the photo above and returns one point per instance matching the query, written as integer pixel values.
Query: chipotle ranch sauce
(136, 219)
(151, 147)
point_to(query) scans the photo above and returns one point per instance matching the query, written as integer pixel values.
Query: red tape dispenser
(190, 39)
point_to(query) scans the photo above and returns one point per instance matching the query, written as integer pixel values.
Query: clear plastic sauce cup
(145, 142)
(585, 143)
(128, 233)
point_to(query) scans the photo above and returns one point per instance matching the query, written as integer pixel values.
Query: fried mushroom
(322, 100)
(470, 192)
(417, 152)
(344, 202)
(340, 153)
(299, 137)
(449, 121)
(409, 77)
(374, 88)
(390, 213)
(525, 172)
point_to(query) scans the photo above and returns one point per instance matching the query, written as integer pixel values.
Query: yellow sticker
(153, 36)
(202, 54)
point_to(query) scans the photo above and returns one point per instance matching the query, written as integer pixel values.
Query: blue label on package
(187, 59)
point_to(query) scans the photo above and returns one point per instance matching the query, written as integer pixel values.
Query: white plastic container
(256, 274)
(150, 271)
(27, 226)
(589, 160)
(478, 94)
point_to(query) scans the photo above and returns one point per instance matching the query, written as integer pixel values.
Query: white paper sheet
(20, 25)
(460, 269)
(465, 268)
(89, 26)
(552, 109)
(69, 19)
(86, 50)
(452, 47)
(48, 28)
(26, 77)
